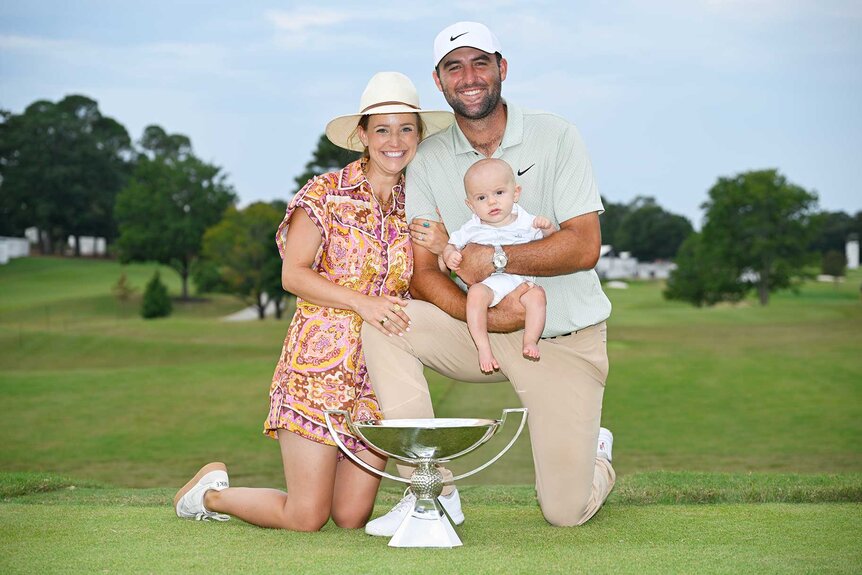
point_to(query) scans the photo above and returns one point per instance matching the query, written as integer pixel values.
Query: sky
(669, 95)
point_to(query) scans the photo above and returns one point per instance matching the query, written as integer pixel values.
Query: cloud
(66, 50)
(323, 29)
(31, 43)
(303, 20)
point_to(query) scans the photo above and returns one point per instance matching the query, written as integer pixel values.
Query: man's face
(470, 80)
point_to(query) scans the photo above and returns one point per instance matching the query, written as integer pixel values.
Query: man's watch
(499, 260)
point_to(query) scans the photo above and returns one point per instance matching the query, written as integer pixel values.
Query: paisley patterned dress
(366, 247)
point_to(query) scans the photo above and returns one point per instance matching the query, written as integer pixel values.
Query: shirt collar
(512, 136)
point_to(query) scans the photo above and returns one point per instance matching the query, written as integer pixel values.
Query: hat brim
(342, 132)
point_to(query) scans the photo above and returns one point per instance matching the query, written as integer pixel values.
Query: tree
(61, 167)
(327, 157)
(649, 232)
(702, 277)
(756, 234)
(169, 202)
(242, 249)
(834, 263)
(832, 229)
(610, 221)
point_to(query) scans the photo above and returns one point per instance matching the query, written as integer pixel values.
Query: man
(563, 390)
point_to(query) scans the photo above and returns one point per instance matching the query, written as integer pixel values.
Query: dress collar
(353, 176)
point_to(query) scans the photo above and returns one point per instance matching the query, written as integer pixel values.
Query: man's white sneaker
(606, 443)
(387, 525)
(189, 501)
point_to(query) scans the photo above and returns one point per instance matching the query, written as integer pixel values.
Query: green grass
(756, 412)
(499, 536)
(139, 403)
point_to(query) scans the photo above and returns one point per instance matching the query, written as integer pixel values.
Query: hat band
(380, 104)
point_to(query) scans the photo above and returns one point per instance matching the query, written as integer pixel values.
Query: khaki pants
(562, 391)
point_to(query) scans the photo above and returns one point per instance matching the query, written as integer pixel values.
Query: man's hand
(476, 263)
(508, 315)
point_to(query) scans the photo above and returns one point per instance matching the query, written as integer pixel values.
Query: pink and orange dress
(366, 247)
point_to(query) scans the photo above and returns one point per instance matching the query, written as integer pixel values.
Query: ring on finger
(384, 320)
(396, 308)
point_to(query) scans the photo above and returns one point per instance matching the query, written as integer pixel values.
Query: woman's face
(391, 140)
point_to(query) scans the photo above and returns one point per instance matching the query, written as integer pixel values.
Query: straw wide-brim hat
(386, 93)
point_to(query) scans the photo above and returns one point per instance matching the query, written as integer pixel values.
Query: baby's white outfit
(519, 231)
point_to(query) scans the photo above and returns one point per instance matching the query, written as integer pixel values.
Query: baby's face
(491, 194)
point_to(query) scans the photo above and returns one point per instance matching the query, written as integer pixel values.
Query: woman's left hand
(429, 234)
(385, 313)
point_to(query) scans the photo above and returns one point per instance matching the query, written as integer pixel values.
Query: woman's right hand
(385, 313)
(429, 234)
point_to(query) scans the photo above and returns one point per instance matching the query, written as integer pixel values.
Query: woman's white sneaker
(189, 501)
(386, 525)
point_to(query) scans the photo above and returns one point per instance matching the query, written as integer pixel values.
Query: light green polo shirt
(553, 169)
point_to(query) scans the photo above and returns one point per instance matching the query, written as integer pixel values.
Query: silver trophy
(425, 443)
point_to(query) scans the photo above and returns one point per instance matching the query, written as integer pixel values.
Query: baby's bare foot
(487, 362)
(531, 351)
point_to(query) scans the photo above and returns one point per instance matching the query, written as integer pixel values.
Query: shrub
(156, 300)
(834, 263)
(123, 289)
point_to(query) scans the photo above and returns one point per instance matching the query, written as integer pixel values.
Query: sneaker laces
(406, 503)
(207, 515)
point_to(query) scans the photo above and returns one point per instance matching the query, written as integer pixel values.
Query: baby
(497, 220)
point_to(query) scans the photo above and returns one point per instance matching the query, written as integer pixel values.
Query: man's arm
(433, 285)
(575, 247)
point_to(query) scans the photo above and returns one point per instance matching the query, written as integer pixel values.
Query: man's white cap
(461, 34)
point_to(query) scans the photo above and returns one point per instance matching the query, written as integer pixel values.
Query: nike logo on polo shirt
(453, 38)
(524, 171)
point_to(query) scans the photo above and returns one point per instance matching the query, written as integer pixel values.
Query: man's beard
(488, 104)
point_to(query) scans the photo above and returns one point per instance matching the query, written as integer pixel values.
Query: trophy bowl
(425, 443)
(414, 439)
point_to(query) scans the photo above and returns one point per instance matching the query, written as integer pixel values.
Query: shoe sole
(216, 466)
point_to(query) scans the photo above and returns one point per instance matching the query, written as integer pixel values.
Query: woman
(347, 256)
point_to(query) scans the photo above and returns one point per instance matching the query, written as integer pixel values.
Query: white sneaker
(606, 443)
(386, 525)
(189, 501)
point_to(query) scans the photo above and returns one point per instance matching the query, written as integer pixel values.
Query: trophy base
(426, 526)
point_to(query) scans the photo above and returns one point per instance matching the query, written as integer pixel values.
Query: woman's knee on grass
(305, 516)
(352, 517)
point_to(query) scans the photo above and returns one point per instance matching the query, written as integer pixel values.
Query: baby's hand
(452, 257)
(544, 224)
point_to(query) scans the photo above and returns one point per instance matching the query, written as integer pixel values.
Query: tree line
(70, 171)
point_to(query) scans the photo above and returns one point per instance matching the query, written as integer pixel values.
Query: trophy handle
(350, 454)
(523, 412)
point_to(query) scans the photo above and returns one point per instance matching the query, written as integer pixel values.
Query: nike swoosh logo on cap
(522, 172)
(453, 38)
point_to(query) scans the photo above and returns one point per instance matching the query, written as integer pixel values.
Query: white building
(613, 266)
(11, 248)
(851, 251)
(90, 246)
